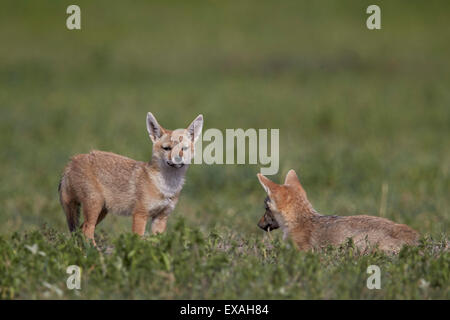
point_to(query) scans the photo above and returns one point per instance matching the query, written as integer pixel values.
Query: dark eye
(167, 148)
(266, 203)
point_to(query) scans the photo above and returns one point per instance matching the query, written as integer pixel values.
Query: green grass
(356, 109)
(189, 264)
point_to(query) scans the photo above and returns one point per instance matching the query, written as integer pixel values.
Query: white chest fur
(169, 181)
(280, 219)
(282, 223)
(155, 207)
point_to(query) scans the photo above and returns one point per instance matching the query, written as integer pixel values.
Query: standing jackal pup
(288, 207)
(103, 182)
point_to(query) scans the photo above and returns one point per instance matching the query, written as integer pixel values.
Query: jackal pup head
(173, 148)
(267, 221)
(280, 200)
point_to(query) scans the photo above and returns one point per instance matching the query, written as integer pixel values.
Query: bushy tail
(70, 206)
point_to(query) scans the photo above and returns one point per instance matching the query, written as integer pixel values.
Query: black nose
(264, 227)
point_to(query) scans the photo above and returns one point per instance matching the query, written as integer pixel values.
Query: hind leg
(101, 216)
(91, 212)
(71, 208)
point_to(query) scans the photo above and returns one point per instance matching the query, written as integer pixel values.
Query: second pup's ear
(292, 180)
(268, 185)
(155, 131)
(195, 128)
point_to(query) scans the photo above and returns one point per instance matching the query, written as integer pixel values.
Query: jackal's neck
(168, 180)
(303, 208)
(308, 210)
(301, 223)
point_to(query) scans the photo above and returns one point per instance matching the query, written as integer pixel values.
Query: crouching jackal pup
(288, 207)
(103, 182)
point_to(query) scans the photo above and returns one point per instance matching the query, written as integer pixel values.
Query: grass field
(359, 112)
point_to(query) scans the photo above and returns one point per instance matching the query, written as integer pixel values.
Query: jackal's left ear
(195, 128)
(268, 185)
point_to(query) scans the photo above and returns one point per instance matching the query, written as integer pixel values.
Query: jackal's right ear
(155, 131)
(268, 185)
(292, 180)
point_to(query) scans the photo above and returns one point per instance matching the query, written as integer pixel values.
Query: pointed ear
(195, 128)
(155, 131)
(292, 180)
(268, 185)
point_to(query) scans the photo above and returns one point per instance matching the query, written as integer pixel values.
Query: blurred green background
(357, 109)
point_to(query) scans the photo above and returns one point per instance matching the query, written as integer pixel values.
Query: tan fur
(104, 182)
(290, 207)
